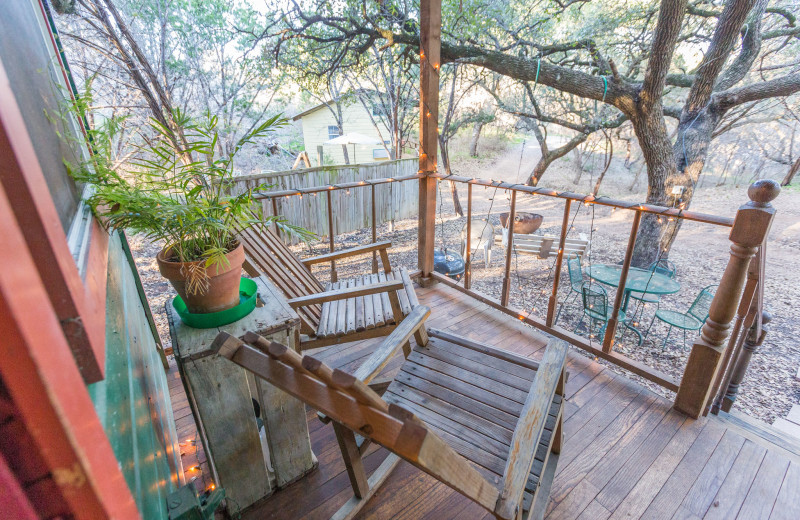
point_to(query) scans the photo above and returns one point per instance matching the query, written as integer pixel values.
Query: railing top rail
(603, 201)
(329, 187)
(336, 167)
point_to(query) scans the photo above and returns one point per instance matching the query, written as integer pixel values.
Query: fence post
(429, 62)
(750, 229)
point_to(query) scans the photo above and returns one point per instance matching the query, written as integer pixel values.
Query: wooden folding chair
(484, 421)
(368, 306)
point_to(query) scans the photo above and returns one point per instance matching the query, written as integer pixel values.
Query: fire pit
(524, 223)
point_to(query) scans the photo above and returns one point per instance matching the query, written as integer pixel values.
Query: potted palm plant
(182, 197)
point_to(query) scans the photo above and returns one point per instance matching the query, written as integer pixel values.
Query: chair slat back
(359, 408)
(595, 299)
(702, 304)
(575, 272)
(663, 266)
(269, 254)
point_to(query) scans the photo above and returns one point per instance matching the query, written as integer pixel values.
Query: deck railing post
(468, 246)
(750, 229)
(752, 342)
(429, 62)
(334, 278)
(611, 328)
(562, 242)
(512, 212)
(275, 214)
(374, 232)
(745, 325)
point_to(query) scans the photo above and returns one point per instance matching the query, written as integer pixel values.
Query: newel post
(750, 229)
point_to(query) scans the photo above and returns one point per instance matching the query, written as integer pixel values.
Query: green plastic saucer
(248, 294)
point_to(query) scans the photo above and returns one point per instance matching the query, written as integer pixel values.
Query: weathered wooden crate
(250, 464)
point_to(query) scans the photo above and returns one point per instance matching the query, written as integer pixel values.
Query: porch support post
(750, 229)
(429, 61)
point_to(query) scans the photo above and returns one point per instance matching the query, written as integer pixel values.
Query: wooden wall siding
(133, 401)
(393, 201)
(355, 119)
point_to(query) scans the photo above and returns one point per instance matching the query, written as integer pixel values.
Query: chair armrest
(353, 251)
(530, 427)
(343, 294)
(398, 337)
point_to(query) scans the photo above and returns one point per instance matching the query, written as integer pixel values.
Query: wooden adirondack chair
(341, 311)
(486, 422)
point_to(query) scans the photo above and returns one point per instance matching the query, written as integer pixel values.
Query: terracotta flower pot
(221, 287)
(524, 223)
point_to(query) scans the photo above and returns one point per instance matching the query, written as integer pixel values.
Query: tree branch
(668, 28)
(751, 46)
(728, 27)
(779, 87)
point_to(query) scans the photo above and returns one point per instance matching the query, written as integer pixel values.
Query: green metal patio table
(638, 280)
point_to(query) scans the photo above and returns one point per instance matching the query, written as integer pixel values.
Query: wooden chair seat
(484, 421)
(473, 400)
(342, 311)
(345, 317)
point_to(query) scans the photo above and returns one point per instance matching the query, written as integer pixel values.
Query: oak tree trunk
(791, 173)
(476, 135)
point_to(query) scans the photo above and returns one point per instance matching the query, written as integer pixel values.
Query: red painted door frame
(38, 370)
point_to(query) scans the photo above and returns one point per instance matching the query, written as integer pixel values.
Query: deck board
(626, 454)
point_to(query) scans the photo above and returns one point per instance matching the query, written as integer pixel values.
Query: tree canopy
(696, 62)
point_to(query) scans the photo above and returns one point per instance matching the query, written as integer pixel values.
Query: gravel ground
(700, 253)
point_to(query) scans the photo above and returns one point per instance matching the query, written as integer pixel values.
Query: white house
(319, 126)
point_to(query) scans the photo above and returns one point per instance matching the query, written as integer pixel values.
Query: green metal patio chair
(661, 266)
(575, 281)
(692, 319)
(595, 306)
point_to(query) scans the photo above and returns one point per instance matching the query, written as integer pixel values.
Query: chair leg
(647, 332)
(352, 460)
(602, 330)
(579, 323)
(663, 345)
(561, 307)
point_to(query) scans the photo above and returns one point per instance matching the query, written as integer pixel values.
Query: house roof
(312, 109)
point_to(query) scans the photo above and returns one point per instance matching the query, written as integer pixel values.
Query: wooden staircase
(761, 433)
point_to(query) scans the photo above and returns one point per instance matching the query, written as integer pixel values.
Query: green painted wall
(133, 401)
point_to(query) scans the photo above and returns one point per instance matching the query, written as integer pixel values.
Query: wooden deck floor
(627, 454)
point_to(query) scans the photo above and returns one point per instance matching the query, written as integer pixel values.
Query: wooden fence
(352, 209)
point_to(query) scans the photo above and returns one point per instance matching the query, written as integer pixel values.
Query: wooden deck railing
(605, 348)
(353, 212)
(332, 229)
(713, 366)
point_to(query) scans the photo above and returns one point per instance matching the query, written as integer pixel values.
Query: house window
(376, 111)
(380, 153)
(333, 132)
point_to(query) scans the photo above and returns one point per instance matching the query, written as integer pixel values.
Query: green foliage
(181, 197)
